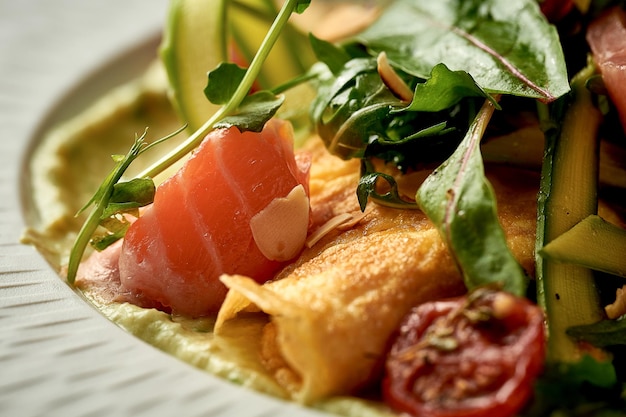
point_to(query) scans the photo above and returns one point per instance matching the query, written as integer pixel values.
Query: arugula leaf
(358, 116)
(301, 6)
(580, 389)
(351, 106)
(443, 89)
(602, 334)
(368, 188)
(459, 200)
(507, 46)
(333, 56)
(253, 112)
(116, 227)
(223, 81)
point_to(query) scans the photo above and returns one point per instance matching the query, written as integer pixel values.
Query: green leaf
(586, 387)
(598, 373)
(357, 116)
(459, 200)
(602, 334)
(507, 46)
(253, 112)
(301, 6)
(223, 82)
(326, 105)
(116, 227)
(333, 56)
(367, 188)
(139, 190)
(103, 195)
(352, 106)
(444, 89)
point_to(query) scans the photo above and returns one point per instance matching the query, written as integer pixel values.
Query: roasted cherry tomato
(476, 355)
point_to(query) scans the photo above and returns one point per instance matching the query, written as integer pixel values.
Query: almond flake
(280, 229)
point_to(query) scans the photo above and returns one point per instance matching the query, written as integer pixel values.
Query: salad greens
(587, 388)
(113, 198)
(506, 46)
(458, 199)
(358, 116)
(253, 111)
(462, 62)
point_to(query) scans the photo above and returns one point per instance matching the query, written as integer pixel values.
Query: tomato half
(476, 355)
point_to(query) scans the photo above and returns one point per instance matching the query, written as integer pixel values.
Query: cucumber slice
(568, 195)
(194, 42)
(593, 243)
(200, 34)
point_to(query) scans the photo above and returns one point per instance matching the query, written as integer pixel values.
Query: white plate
(58, 356)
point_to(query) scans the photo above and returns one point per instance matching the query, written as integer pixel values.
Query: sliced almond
(357, 216)
(618, 308)
(392, 80)
(328, 227)
(280, 229)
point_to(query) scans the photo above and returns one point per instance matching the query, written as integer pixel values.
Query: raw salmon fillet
(199, 224)
(607, 39)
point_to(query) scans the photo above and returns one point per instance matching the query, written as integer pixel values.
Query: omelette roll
(333, 313)
(330, 314)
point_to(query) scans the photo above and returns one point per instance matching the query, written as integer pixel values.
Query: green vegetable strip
(568, 195)
(292, 39)
(593, 243)
(183, 28)
(244, 87)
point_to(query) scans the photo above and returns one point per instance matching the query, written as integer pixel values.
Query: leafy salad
(444, 87)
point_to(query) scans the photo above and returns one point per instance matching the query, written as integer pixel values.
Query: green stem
(100, 200)
(293, 34)
(240, 93)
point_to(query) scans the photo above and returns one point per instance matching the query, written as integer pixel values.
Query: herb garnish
(453, 55)
(113, 198)
(242, 109)
(242, 86)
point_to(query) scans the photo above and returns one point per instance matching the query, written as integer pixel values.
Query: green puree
(234, 358)
(71, 160)
(193, 342)
(66, 168)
